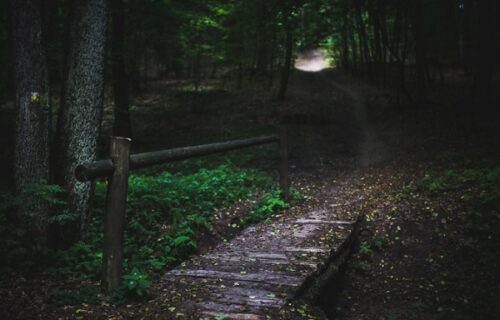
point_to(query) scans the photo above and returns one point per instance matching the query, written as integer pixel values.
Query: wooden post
(114, 222)
(283, 166)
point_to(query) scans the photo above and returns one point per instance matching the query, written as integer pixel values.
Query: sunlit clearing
(312, 61)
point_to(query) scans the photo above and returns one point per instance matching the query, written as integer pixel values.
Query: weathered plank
(222, 258)
(233, 316)
(265, 277)
(314, 221)
(306, 250)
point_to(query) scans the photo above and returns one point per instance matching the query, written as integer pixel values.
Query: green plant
(165, 214)
(269, 204)
(136, 282)
(434, 183)
(364, 248)
(84, 294)
(82, 259)
(486, 179)
(17, 241)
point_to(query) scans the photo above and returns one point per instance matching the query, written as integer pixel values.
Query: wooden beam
(283, 166)
(114, 221)
(104, 168)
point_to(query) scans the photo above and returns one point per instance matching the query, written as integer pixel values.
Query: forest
(264, 159)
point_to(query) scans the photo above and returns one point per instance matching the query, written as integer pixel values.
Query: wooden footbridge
(258, 273)
(255, 275)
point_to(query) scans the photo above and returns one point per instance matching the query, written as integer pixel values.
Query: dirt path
(258, 273)
(412, 262)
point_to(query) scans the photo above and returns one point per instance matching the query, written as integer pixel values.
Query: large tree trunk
(31, 159)
(122, 126)
(81, 106)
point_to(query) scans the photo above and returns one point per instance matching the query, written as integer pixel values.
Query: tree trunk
(285, 75)
(345, 45)
(122, 126)
(81, 107)
(31, 158)
(363, 42)
(485, 55)
(420, 50)
(379, 64)
(354, 49)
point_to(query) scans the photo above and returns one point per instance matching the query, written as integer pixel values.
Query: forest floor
(429, 246)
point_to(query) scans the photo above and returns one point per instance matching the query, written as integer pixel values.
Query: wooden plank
(306, 250)
(247, 300)
(315, 221)
(235, 258)
(233, 316)
(265, 277)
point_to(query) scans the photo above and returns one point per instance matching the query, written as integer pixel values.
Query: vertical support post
(114, 222)
(283, 166)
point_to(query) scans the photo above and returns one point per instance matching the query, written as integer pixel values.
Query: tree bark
(379, 63)
(122, 126)
(81, 106)
(485, 55)
(420, 50)
(363, 43)
(31, 158)
(345, 45)
(285, 75)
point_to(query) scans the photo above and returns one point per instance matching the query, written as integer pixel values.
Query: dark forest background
(76, 72)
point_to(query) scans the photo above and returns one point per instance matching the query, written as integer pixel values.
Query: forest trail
(262, 272)
(336, 125)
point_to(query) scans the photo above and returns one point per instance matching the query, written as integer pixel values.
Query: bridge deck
(255, 275)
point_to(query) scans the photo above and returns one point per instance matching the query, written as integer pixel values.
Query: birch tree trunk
(81, 105)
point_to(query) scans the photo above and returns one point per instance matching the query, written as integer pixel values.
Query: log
(104, 168)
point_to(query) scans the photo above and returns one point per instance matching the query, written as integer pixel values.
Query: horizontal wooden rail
(104, 168)
(117, 168)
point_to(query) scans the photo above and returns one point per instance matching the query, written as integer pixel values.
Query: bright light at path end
(312, 61)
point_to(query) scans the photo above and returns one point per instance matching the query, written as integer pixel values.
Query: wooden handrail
(116, 169)
(104, 168)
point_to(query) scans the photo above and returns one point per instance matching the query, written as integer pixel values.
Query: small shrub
(136, 282)
(264, 209)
